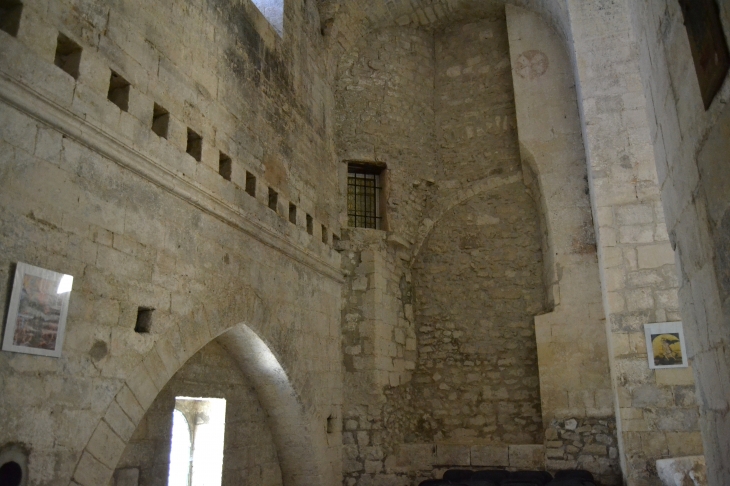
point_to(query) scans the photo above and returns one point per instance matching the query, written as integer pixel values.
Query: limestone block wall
(379, 348)
(385, 114)
(575, 382)
(89, 189)
(474, 100)
(690, 145)
(657, 413)
(249, 452)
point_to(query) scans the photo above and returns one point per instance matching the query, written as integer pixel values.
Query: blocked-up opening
(144, 320)
(273, 10)
(196, 448)
(273, 199)
(195, 145)
(119, 91)
(160, 121)
(250, 184)
(11, 474)
(225, 166)
(292, 213)
(68, 55)
(325, 238)
(10, 13)
(310, 225)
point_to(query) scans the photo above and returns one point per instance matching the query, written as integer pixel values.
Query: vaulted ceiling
(430, 14)
(349, 20)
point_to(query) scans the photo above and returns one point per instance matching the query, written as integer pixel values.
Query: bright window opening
(273, 10)
(196, 452)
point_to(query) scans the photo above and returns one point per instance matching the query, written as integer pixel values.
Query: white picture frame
(665, 345)
(36, 322)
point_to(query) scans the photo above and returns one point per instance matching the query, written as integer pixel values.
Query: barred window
(364, 192)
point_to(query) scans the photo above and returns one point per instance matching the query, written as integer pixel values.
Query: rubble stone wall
(462, 371)
(478, 285)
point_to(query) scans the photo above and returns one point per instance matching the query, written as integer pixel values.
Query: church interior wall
(575, 383)
(549, 171)
(250, 456)
(657, 414)
(88, 189)
(690, 144)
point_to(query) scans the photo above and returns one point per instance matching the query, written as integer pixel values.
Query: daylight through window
(196, 452)
(273, 10)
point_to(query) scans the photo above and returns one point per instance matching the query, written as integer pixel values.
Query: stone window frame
(359, 175)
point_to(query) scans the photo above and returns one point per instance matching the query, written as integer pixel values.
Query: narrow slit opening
(195, 145)
(144, 320)
(225, 166)
(68, 56)
(10, 13)
(160, 121)
(119, 91)
(250, 184)
(292, 213)
(273, 199)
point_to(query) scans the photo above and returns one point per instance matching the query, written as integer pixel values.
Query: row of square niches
(68, 58)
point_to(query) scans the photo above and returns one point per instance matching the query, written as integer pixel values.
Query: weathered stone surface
(250, 452)
(682, 471)
(490, 456)
(588, 443)
(452, 455)
(126, 477)
(433, 326)
(530, 457)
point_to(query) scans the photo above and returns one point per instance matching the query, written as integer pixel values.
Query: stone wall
(638, 272)
(379, 347)
(478, 284)
(89, 189)
(690, 147)
(385, 113)
(474, 102)
(575, 381)
(249, 452)
(449, 138)
(588, 443)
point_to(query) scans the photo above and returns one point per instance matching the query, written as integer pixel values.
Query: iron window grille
(364, 189)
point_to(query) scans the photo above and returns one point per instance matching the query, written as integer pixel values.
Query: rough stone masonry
(552, 181)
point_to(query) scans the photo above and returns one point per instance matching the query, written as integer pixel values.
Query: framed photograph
(665, 345)
(38, 308)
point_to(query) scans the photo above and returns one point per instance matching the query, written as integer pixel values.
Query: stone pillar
(638, 275)
(575, 383)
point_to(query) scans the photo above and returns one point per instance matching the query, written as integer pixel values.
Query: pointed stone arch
(300, 446)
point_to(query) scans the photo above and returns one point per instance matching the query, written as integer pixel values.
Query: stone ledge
(429, 456)
(37, 106)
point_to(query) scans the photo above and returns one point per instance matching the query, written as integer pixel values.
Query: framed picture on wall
(38, 308)
(665, 345)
